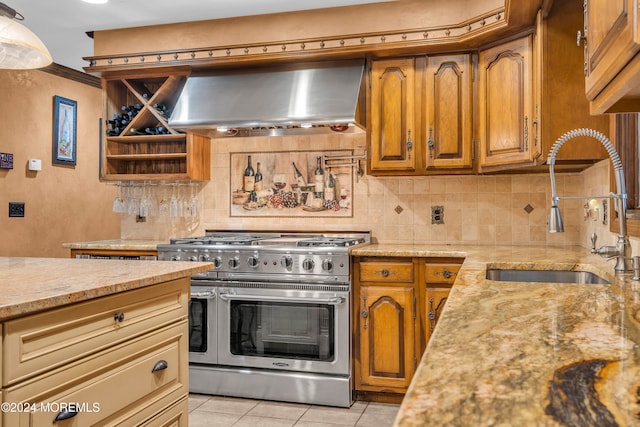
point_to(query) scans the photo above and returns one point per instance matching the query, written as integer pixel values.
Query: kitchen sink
(548, 276)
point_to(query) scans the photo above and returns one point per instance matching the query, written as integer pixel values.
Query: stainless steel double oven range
(272, 320)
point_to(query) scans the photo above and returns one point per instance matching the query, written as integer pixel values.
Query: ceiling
(62, 24)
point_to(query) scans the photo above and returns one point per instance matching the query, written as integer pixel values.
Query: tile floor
(218, 411)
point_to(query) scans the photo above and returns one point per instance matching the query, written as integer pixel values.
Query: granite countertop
(117, 245)
(543, 354)
(28, 285)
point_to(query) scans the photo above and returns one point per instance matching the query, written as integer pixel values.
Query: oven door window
(198, 325)
(282, 330)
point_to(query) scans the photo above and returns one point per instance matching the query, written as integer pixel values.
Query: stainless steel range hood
(294, 99)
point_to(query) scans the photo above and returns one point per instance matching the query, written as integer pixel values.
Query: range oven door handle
(203, 295)
(226, 296)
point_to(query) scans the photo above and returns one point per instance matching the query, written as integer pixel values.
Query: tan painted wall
(62, 204)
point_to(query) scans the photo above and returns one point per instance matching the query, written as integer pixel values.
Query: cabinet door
(437, 295)
(392, 115)
(506, 108)
(612, 40)
(438, 281)
(387, 331)
(448, 125)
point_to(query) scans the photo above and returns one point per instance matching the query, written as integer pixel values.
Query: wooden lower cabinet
(439, 278)
(114, 254)
(393, 301)
(387, 332)
(120, 360)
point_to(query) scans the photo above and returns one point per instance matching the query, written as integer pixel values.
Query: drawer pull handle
(65, 414)
(161, 365)
(446, 273)
(118, 317)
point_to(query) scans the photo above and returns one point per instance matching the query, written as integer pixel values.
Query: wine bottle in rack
(162, 109)
(258, 184)
(298, 176)
(318, 179)
(249, 176)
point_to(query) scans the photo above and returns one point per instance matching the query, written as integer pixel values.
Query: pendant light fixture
(19, 47)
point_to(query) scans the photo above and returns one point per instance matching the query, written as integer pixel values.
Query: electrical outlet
(16, 209)
(437, 214)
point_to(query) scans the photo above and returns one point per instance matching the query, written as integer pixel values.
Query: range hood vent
(299, 99)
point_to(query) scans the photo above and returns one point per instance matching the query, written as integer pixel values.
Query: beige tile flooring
(218, 411)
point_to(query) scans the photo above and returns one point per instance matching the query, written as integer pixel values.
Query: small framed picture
(65, 113)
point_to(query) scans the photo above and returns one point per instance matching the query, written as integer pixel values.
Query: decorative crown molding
(352, 44)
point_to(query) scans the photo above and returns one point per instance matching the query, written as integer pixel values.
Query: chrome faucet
(622, 250)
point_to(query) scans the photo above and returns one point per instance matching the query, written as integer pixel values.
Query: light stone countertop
(28, 285)
(530, 354)
(117, 245)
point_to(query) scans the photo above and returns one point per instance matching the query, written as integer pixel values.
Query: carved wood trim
(71, 74)
(308, 49)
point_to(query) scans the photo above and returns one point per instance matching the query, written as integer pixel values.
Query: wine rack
(129, 155)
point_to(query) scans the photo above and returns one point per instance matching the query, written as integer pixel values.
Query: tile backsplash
(476, 209)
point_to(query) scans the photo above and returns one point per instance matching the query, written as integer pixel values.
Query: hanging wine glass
(192, 207)
(118, 203)
(174, 207)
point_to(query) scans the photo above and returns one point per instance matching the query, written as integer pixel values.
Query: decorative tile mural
(291, 183)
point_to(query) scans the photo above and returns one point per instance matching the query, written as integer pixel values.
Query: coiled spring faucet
(622, 250)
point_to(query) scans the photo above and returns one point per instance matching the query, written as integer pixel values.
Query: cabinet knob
(446, 273)
(385, 273)
(118, 317)
(65, 414)
(409, 144)
(365, 313)
(160, 365)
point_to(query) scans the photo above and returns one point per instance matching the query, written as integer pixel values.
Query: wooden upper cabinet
(612, 40)
(449, 110)
(507, 111)
(392, 115)
(564, 107)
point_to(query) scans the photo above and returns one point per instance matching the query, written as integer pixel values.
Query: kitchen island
(543, 354)
(95, 340)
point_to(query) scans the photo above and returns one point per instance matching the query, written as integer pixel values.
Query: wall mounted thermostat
(35, 164)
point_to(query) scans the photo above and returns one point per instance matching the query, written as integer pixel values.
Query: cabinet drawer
(441, 273)
(175, 416)
(40, 342)
(116, 387)
(389, 272)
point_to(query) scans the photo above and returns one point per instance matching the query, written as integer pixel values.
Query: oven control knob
(234, 262)
(308, 264)
(193, 258)
(204, 257)
(175, 258)
(287, 262)
(253, 261)
(217, 262)
(327, 265)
